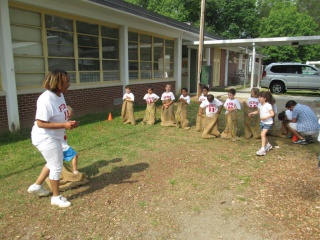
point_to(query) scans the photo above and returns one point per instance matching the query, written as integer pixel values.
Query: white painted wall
(7, 67)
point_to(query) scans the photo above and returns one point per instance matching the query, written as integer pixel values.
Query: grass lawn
(152, 182)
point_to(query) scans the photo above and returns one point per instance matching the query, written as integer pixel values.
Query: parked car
(279, 77)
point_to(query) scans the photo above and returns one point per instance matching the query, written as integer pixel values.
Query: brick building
(103, 45)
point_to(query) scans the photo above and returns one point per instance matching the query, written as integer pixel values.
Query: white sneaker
(60, 202)
(268, 147)
(261, 152)
(40, 191)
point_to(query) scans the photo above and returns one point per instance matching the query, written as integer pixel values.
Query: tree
(312, 8)
(174, 9)
(284, 22)
(235, 18)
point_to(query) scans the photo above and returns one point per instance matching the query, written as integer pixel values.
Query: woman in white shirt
(48, 133)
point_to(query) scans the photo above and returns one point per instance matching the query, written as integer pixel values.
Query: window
(308, 70)
(110, 53)
(27, 47)
(88, 52)
(150, 57)
(90, 49)
(60, 40)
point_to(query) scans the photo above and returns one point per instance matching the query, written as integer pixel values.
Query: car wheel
(277, 87)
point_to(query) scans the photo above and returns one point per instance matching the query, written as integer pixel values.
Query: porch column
(226, 70)
(259, 70)
(124, 56)
(7, 68)
(253, 61)
(178, 63)
(208, 56)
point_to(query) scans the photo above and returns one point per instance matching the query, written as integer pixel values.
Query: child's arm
(129, 99)
(156, 99)
(284, 129)
(219, 109)
(182, 100)
(200, 111)
(170, 103)
(253, 113)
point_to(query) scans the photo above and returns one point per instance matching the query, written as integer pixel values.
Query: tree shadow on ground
(118, 175)
(93, 169)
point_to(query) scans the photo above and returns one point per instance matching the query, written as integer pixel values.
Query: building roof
(261, 42)
(149, 15)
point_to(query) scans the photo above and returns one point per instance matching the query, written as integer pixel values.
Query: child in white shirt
(150, 113)
(203, 97)
(167, 113)
(266, 117)
(182, 110)
(251, 125)
(127, 112)
(231, 105)
(212, 109)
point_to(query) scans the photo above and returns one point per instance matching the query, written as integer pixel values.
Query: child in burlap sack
(212, 109)
(127, 112)
(167, 113)
(251, 124)
(203, 97)
(182, 110)
(150, 113)
(231, 105)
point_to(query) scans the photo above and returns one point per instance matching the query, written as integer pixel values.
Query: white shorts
(51, 150)
(309, 133)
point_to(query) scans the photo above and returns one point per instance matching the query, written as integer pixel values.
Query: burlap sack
(251, 124)
(182, 115)
(210, 126)
(127, 112)
(167, 116)
(231, 125)
(150, 114)
(199, 124)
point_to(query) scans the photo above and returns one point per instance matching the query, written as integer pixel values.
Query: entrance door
(193, 70)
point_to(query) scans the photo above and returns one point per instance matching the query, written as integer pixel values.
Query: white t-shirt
(229, 104)
(253, 102)
(202, 98)
(130, 95)
(150, 97)
(289, 114)
(167, 96)
(211, 107)
(187, 98)
(50, 108)
(265, 111)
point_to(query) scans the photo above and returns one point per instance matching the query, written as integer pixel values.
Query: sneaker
(261, 152)
(60, 202)
(309, 139)
(268, 147)
(40, 191)
(301, 141)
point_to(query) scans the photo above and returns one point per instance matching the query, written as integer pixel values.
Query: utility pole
(200, 50)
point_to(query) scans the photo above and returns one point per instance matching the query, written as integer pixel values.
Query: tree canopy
(234, 19)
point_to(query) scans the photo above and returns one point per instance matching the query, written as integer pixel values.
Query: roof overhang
(261, 42)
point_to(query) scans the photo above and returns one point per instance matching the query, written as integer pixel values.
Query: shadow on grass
(118, 175)
(93, 169)
(9, 174)
(9, 137)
